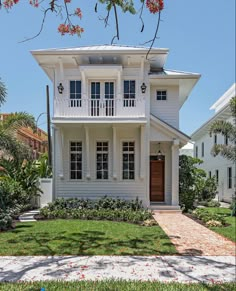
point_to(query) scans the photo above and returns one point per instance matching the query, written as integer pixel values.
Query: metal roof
(95, 48)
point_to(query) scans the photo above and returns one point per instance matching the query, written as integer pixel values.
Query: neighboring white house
(221, 168)
(187, 150)
(116, 122)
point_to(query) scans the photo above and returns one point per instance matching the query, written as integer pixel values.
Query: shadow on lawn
(91, 243)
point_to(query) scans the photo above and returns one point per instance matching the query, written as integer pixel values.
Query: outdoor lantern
(60, 88)
(143, 88)
(159, 153)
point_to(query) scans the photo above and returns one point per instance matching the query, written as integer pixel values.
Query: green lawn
(228, 231)
(82, 237)
(111, 285)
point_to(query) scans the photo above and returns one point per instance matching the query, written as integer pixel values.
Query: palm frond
(3, 92)
(233, 106)
(12, 148)
(226, 151)
(17, 120)
(222, 127)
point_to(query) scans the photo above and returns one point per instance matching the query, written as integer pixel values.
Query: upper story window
(196, 151)
(75, 93)
(202, 149)
(129, 93)
(161, 95)
(76, 160)
(215, 139)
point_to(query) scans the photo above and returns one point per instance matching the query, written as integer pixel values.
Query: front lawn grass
(82, 237)
(228, 231)
(112, 285)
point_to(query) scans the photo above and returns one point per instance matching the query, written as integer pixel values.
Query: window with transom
(128, 152)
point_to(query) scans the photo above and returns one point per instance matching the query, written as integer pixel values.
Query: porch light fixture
(159, 153)
(60, 88)
(143, 88)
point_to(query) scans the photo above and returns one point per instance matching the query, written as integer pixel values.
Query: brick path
(191, 238)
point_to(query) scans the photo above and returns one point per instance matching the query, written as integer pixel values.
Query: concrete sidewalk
(162, 268)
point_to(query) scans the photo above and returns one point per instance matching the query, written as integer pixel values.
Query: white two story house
(221, 168)
(116, 122)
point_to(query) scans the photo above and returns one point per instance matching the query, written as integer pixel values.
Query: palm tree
(3, 92)
(228, 130)
(9, 145)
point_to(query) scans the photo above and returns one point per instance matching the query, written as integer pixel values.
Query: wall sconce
(159, 153)
(143, 88)
(60, 88)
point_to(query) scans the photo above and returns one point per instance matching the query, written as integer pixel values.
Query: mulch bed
(191, 216)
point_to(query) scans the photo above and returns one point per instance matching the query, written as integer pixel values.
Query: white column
(175, 172)
(114, 152)
(87, 152)
(59, 142)
(142, 151)
(85, 104)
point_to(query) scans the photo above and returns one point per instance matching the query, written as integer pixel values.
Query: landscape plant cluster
(105, 208)
(210, 219)
(194, 186)
(19, 184)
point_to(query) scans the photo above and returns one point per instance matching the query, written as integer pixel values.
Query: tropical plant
(193, 184)
(228, 130)
(42, 166)
(3, 93)
(9, 145)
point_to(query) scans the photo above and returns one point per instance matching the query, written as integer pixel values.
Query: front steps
(164, 208)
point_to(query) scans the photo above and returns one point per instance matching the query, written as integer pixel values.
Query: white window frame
(75, 102)
(129, 102)
(81, 152)
(161, 90)
(108, 160)
(122, 152)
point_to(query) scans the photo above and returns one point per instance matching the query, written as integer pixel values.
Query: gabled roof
(222, 112)
(170, 129)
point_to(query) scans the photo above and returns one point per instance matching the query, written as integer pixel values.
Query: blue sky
(200, 35)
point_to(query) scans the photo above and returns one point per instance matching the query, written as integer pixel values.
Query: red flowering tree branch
(70, 26)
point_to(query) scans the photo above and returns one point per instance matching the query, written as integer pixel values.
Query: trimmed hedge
(102, 209)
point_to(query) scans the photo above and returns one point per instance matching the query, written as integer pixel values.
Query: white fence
(46, 195)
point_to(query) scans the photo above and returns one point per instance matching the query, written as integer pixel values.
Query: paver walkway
(191, 238)
(161, 268)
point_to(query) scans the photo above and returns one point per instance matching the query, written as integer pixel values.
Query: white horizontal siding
(93, 188)
(212, 164)
(167, 110)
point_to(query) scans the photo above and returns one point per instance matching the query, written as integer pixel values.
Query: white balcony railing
(99, 107)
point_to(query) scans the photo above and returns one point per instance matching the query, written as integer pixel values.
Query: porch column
(142, 152)
(87, 152)
(60, 143)
(114, 152)
(175, 172)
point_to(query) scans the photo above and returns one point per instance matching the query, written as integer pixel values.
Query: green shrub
(186, 200)
(103, 209)
(103, 203)
(5, 221)
(206, 216)
(208, 190)
(211, 203)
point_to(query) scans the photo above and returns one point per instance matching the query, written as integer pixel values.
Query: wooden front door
(157, 169)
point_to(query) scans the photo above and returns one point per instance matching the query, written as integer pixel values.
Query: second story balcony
(99, 107)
